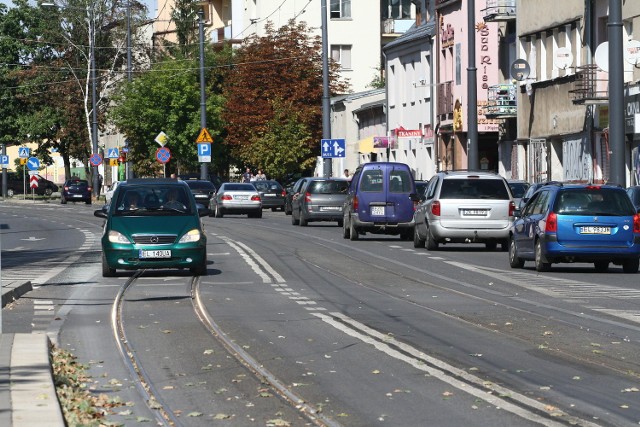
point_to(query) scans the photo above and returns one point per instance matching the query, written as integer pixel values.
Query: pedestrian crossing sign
(204, 136)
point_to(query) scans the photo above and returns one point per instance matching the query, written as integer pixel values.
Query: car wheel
(200, 270)
(353, 233)
(345, 229)
(274, 209)
(491, 246)
(303, 220)
(10, 192)
(601, 266)
(431, 243)
(630, 266)
(218, 212)
(418, 242)
(540, 264)
(294, 221)
(88, 202)
(287, 210)
(63, 200)
(258, 214)
(106, 270)
(340, 222)
(48, 192)
(514, 260)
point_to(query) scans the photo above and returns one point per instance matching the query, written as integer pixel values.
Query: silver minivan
(465, 207)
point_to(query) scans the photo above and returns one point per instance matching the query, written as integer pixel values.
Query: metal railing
(590, 86)
(500, 10)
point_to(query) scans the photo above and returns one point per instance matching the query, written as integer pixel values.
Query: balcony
(500, 10)
(501, 102)
(445, 98)
(591, 86)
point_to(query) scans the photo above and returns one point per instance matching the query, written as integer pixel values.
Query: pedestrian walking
(246, 177)
(100, 178)
(260, 176)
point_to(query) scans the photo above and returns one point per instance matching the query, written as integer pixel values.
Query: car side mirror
(517, 213)
(101, 213)
(414, 197)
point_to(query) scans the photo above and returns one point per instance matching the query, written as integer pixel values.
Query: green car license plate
(165, 253)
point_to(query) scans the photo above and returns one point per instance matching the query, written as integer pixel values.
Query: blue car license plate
(165, 253)
(595, 230)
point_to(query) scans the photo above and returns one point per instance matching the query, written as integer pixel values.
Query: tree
(280, 72)
(166, 98)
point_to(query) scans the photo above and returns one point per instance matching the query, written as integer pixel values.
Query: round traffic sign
(95, 159)
(33, 163)
(163, 155)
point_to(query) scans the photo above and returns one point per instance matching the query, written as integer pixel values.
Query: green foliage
(378, 81)
(284, 147)
(284, 65)
(166, 98)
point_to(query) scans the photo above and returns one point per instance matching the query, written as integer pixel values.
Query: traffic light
(123, 157)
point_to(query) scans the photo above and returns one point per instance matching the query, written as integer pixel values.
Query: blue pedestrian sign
(33, 163)
(112, 153)
(333, 148)
(23, 152)
(4, 161)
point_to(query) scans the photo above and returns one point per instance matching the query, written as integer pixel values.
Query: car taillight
(552, 223)
(435, 208)
(226, 197)
(283, 194)
(355, 203)
(89, 188)
(636, 223)
(255, 198)
(307, 197)
(512, 208)
(66, 188)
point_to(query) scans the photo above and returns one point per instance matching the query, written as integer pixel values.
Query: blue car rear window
(593, 201)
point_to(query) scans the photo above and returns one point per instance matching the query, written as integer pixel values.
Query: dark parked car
(421, 186)
(293, 191)
(531, 190)
(76, 190)
(518, 189)
(271, 193)
(320, 199)
(577, 223)
(16, 185)
(381, 200)
(202, 190)
(153, 223)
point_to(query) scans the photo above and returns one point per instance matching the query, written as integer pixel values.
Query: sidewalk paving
(27, 392)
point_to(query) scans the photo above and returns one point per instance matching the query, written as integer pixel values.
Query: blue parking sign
(204, 149)
(4, 161)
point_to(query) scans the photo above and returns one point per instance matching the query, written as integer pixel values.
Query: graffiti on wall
(577, 160)
(636, 164)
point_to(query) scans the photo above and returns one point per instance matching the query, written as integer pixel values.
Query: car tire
(353, 232)
(274, 209)
(491, 246)
(631, 266)
(200, 270)
(340, 222)
(601, 266)
(88, 202)
(514, 260)
(430, 242)
(345, 229)
(540, 264)
(294, 221)
(286, 209)
(10, 192)
(418, 242)
(218, 212)
(63, 200)
(48, 192)
(258, 214)
(303, 220)
(106, 270)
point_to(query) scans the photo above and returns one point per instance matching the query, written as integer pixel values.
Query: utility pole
(203, 100)
(472, 90)
(326, 102)
(94, 110)
(128, 172)
(616, 95)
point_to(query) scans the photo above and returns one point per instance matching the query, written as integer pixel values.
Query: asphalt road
(364, 333)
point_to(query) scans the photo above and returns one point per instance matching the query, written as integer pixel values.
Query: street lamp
(92, 70)
(203, 99)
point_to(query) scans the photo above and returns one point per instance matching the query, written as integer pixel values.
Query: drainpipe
(591, 109)
(386, 104)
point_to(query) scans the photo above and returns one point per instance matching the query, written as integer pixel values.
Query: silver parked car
(465, 207)
(319, 199)
(236, 198)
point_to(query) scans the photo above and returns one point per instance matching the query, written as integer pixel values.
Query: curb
(14, 290)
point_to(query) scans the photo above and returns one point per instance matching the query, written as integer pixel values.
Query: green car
(153, 223)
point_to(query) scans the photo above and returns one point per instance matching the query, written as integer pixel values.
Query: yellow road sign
(113, 162)
(204, 136)
(23, 161)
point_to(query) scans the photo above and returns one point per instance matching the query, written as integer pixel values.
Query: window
(396, 9)
(399, 181)
(342, 55)
(340, 9)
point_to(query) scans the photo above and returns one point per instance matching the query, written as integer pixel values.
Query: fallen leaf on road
(166, 331)
(278, 423)
(194, 414)
(143, 420)
(208, 352)
(375, 371)
(630, 390)
(221, 416)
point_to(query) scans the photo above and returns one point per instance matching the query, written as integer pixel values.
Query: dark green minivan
(153, 223)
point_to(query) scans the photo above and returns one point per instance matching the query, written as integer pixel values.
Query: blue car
(577, 223)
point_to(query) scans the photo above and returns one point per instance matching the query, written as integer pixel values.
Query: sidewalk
(27, 393)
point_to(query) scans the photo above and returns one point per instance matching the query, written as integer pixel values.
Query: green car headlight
(117, 237)
(190, 236)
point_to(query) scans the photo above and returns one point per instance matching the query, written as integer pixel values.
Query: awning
(365, 146)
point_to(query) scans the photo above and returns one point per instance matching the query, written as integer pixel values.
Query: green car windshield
(153, 200)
